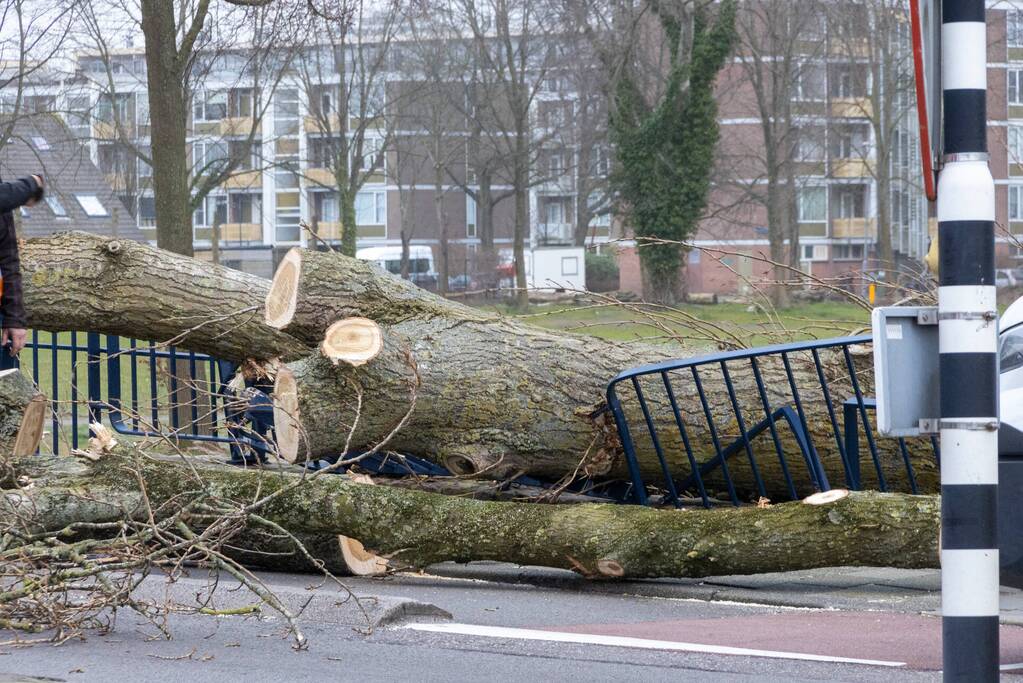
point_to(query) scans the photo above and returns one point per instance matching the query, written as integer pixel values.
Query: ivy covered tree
(665, 132)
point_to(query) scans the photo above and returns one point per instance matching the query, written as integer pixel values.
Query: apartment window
(556, 164)
(91, 205)
(371, 208)
(110, 109)
(147, 212)
(1016, 202)
(245, 208)
(216, 209)
(1014, 28)
(1015, 144)
(78, 115)
(849, 201)
(599, 163)
(810, 144)
(55, 206)
(322, 152)
(208, 156)
(371, 154)
(372, 106)
(243, 154)
(598, 207)
(1015, 87)
(144, 169)
(327, 208)
(850, 142)
(209, 106)
(239, 103)
(288, 215)
(286, 112)
(847, 252)
(470, 217)
(808, 82)
(812, 205)
(814, 252)
(555, 212)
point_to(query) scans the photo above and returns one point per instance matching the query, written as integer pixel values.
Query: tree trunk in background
(167, 97)
(349, 229)
(521, 235)
(611, 541)
(444, 267)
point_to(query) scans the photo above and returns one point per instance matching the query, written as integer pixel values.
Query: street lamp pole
(968, 346)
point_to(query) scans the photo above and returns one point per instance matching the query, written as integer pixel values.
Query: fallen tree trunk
(23, 411)
(494, 396)
(82, 281)
(832, 529)
(499, 396)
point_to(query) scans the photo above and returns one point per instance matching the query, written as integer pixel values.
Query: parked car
(421, 269)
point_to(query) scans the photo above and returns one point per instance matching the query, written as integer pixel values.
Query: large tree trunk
(82, 281)
(837, 528)
(499, 396)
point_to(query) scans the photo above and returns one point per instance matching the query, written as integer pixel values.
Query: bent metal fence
(774, 422)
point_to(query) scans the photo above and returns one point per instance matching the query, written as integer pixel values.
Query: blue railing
(145, 389)
(657, 409)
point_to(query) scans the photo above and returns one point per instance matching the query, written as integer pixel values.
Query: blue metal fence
(653, 420)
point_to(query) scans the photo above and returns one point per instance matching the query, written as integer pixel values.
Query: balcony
(239, 125)
(319, 177)
(244, 180)
(852, 107)
(854, 228)
(315, 124)
(554, 233)
(858, 47)
(241, 232)
(850, 168)
(118, 182)
(101, 130)
(326, 230)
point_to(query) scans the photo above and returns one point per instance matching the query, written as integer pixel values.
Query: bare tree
(345, 79)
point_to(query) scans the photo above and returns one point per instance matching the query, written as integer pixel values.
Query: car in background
(1006, 277)
(421, 270)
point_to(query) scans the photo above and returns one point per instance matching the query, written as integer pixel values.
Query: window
(555, 211)
(242, 154)
(55, 206)
(809, 144)
(599, 161)
(92, 206)
(145, 170)
(1015, 144)
(1015, 88)
(208, 157)
(849, 201)
(1016, 202)
(288, 215)
(147, 212)
(371, 154)
(569, 265)
(40, 143)
(371, 208)
(239, 102)
(599, 209)
(286, 112)
(847, 252)
(327, 209)
(107, 108)
(1014, 28)
(813, 252)
(850, 142)
(245, 208)
(78, 115)
(209, 106)
(556, 164)
(470, 216)
(812, 205)
(808, 82)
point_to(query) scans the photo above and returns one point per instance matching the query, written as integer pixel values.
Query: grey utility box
(906, 369)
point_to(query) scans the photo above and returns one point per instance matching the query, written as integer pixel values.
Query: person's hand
(32, 202)
(17, 338)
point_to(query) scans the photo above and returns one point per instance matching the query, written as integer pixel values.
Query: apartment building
(280, 142)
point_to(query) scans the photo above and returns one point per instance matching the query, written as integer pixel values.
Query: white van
(421, 270)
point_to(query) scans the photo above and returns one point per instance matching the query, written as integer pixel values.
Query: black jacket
(13, 195)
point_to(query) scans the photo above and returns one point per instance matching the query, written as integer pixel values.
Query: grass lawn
(699, 325)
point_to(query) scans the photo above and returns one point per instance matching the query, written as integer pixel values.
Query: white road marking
(622, 641)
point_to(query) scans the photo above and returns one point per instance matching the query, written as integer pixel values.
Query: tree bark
(23, 410)
(81, 281)
(839, 528)
(497, 396)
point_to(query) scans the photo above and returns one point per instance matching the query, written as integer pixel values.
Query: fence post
(93, 379)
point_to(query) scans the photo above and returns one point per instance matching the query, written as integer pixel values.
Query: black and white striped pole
(968, 346)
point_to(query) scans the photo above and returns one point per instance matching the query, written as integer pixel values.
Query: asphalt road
(443, 629)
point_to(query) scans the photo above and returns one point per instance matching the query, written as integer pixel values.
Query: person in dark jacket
(22, 192)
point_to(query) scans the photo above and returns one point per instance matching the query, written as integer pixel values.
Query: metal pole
(967, 324)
